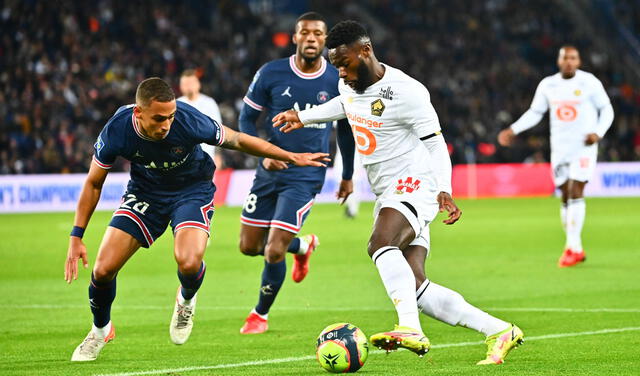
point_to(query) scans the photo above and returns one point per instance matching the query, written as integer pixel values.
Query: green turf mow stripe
(332, 309)
(308, 357)
(329, 309)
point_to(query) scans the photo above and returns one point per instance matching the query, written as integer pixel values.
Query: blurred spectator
(63, 76)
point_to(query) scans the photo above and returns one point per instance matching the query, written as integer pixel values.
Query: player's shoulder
(275, 66)
(120, 118)
(587, 76)
(402, 82)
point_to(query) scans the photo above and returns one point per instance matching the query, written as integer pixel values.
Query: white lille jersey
(573, 106)
(388, 120)
(209, 107)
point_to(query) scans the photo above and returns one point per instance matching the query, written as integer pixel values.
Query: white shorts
(578, 166)
(416, 200)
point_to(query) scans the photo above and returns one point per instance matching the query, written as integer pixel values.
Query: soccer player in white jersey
(190, 89)
(580, 115)
(399, 139)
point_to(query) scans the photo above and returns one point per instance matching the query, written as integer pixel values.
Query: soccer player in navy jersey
(171, 183)
(282, 195)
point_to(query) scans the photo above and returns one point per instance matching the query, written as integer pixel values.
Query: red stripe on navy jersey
(100, 164)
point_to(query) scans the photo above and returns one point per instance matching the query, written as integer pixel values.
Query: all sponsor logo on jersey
(377, 107)
(408, 185)
(386, 93)
(322, 96)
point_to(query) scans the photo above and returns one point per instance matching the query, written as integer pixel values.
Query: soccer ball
(342, 348)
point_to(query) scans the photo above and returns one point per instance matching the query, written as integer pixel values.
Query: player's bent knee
(189, 264)
(103, 274)
(248, 249)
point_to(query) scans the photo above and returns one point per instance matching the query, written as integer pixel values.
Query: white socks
(264, 317)
(563, 216)
(183, 301)
(304, 247)
(101, 332)
(448, 306)
(576, 209)
(400, 283)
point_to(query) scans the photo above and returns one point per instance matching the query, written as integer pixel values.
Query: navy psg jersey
(170, 164)
(279, 86)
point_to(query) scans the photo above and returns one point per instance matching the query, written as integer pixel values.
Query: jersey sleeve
(105, 149)
(600, 98)
(209, 131)
(257, 96)
(539, 103)
(419, 112)
(329, 111)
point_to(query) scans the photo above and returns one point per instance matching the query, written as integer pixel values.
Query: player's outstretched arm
(323, 113)
(261, 148)
(89, 197)
(289, 121)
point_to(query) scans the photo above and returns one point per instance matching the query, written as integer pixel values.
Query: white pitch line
(308, 357)
(327, 309)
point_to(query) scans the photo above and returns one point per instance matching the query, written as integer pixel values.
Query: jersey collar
(136, 128)
(307, 76)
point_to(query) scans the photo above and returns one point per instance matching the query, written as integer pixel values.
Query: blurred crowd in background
(66, 66)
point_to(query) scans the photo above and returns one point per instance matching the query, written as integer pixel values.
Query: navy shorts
(145, 215)
(278, 203)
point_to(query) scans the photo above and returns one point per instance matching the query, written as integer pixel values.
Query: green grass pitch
(502, 257)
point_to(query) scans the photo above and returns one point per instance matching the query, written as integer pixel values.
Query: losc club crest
(322, 96)
(178, 150)
(377, 107)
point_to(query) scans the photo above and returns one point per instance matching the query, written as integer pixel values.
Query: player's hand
(446, 203)
(290, 120)
(591, 139)
(345, 189)
(309, 159)
(77, 250)
(274, 164)
(506, 137)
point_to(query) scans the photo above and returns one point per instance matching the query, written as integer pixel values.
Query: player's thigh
(143, 216)
(252, 239)
(581, 169)
(560, 171)
(260, 203)
(293, 205)
(413, 199)
(188, 248)
(391, 228)
(116, 248)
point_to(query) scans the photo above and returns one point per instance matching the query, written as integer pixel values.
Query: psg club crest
(322, 96)
(177, 150)
(377, 107)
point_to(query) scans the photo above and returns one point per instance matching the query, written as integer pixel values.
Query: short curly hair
(346, 32)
